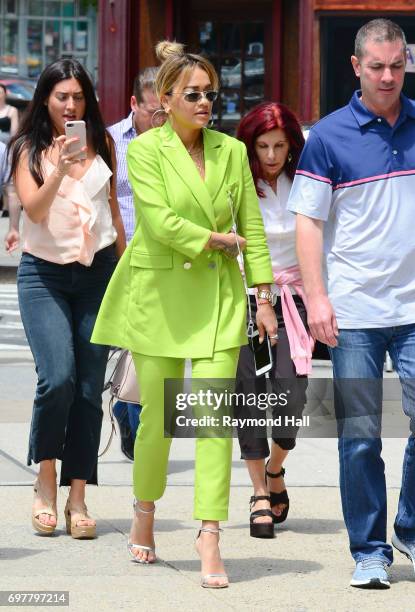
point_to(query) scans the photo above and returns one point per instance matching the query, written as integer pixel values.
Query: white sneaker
(406, 548)
(370, 573)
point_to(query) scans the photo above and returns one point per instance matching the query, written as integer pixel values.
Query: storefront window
(81, 36)
(9, 51)
(231, 38)
(68, 9)
(254, 37)
(11, 7)
(34, 33)
(237, 51)
(67, 36)
(35, 7)
(52, 40)
(52, 8)
(207, 38)
(34, 47)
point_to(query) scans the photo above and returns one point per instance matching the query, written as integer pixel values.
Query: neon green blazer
(168, 296)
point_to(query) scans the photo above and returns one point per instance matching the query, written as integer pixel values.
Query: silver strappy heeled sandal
(205, 579)
(132, 546)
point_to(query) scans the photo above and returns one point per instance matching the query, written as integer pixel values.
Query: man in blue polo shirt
(354, 195)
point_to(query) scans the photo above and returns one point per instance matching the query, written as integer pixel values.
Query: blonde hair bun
(168, 48)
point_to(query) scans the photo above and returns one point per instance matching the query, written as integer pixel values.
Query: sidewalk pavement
(306, 568)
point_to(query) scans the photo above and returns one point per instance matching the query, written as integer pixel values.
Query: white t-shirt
(279, 224)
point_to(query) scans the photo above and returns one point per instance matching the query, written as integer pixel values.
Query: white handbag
(122, 385)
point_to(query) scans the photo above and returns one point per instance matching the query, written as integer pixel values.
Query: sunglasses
(196, 96)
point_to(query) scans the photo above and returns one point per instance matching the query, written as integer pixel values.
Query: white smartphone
(262, 353)
(76, 129)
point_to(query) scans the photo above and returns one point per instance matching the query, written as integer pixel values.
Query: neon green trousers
(151, 451)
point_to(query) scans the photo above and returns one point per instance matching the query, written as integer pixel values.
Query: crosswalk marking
(15, 325)
(14, 347)
(12, 336)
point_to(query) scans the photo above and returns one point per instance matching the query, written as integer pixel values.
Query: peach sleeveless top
(79, 221)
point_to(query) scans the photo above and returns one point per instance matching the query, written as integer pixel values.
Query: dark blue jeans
(128, 414)
(59, 305)
(360, 354)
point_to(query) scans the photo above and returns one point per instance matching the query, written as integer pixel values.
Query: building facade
(36, 32)
(294, 51)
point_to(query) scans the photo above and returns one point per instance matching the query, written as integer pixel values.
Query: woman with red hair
(274, 141)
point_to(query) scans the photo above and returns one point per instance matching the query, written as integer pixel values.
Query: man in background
(144, 104)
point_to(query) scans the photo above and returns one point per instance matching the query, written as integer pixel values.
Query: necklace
(199, 162)
(196, 148)
(196, 152)
(197, 155)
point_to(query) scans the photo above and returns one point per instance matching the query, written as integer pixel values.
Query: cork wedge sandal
(73, 516)
(49, 508)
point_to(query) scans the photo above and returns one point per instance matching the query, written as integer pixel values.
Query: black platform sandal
(260, 530)
(278, 498)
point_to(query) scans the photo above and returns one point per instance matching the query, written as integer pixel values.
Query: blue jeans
(360, 354)
(59, 305)
(128, 414)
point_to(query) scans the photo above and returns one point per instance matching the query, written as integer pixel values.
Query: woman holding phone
(177, 292)
(72, 236)
(274, 142)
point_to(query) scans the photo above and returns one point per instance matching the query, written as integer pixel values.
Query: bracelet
(262, 295)
(263, 302)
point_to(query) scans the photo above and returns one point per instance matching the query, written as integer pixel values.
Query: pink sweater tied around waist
(300, 340)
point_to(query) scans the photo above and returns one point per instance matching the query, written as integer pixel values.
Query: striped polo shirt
(357, 173)
(123, 132)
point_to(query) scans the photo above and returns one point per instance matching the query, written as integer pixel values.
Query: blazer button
(212, 265)
(187, 265)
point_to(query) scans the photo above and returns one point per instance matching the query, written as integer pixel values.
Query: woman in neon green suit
(177, 292)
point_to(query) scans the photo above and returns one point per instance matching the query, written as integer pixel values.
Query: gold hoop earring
(289, 158)
(160, 110)
(211, 122)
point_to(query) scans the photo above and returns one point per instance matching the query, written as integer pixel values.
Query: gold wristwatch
(264, 297)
